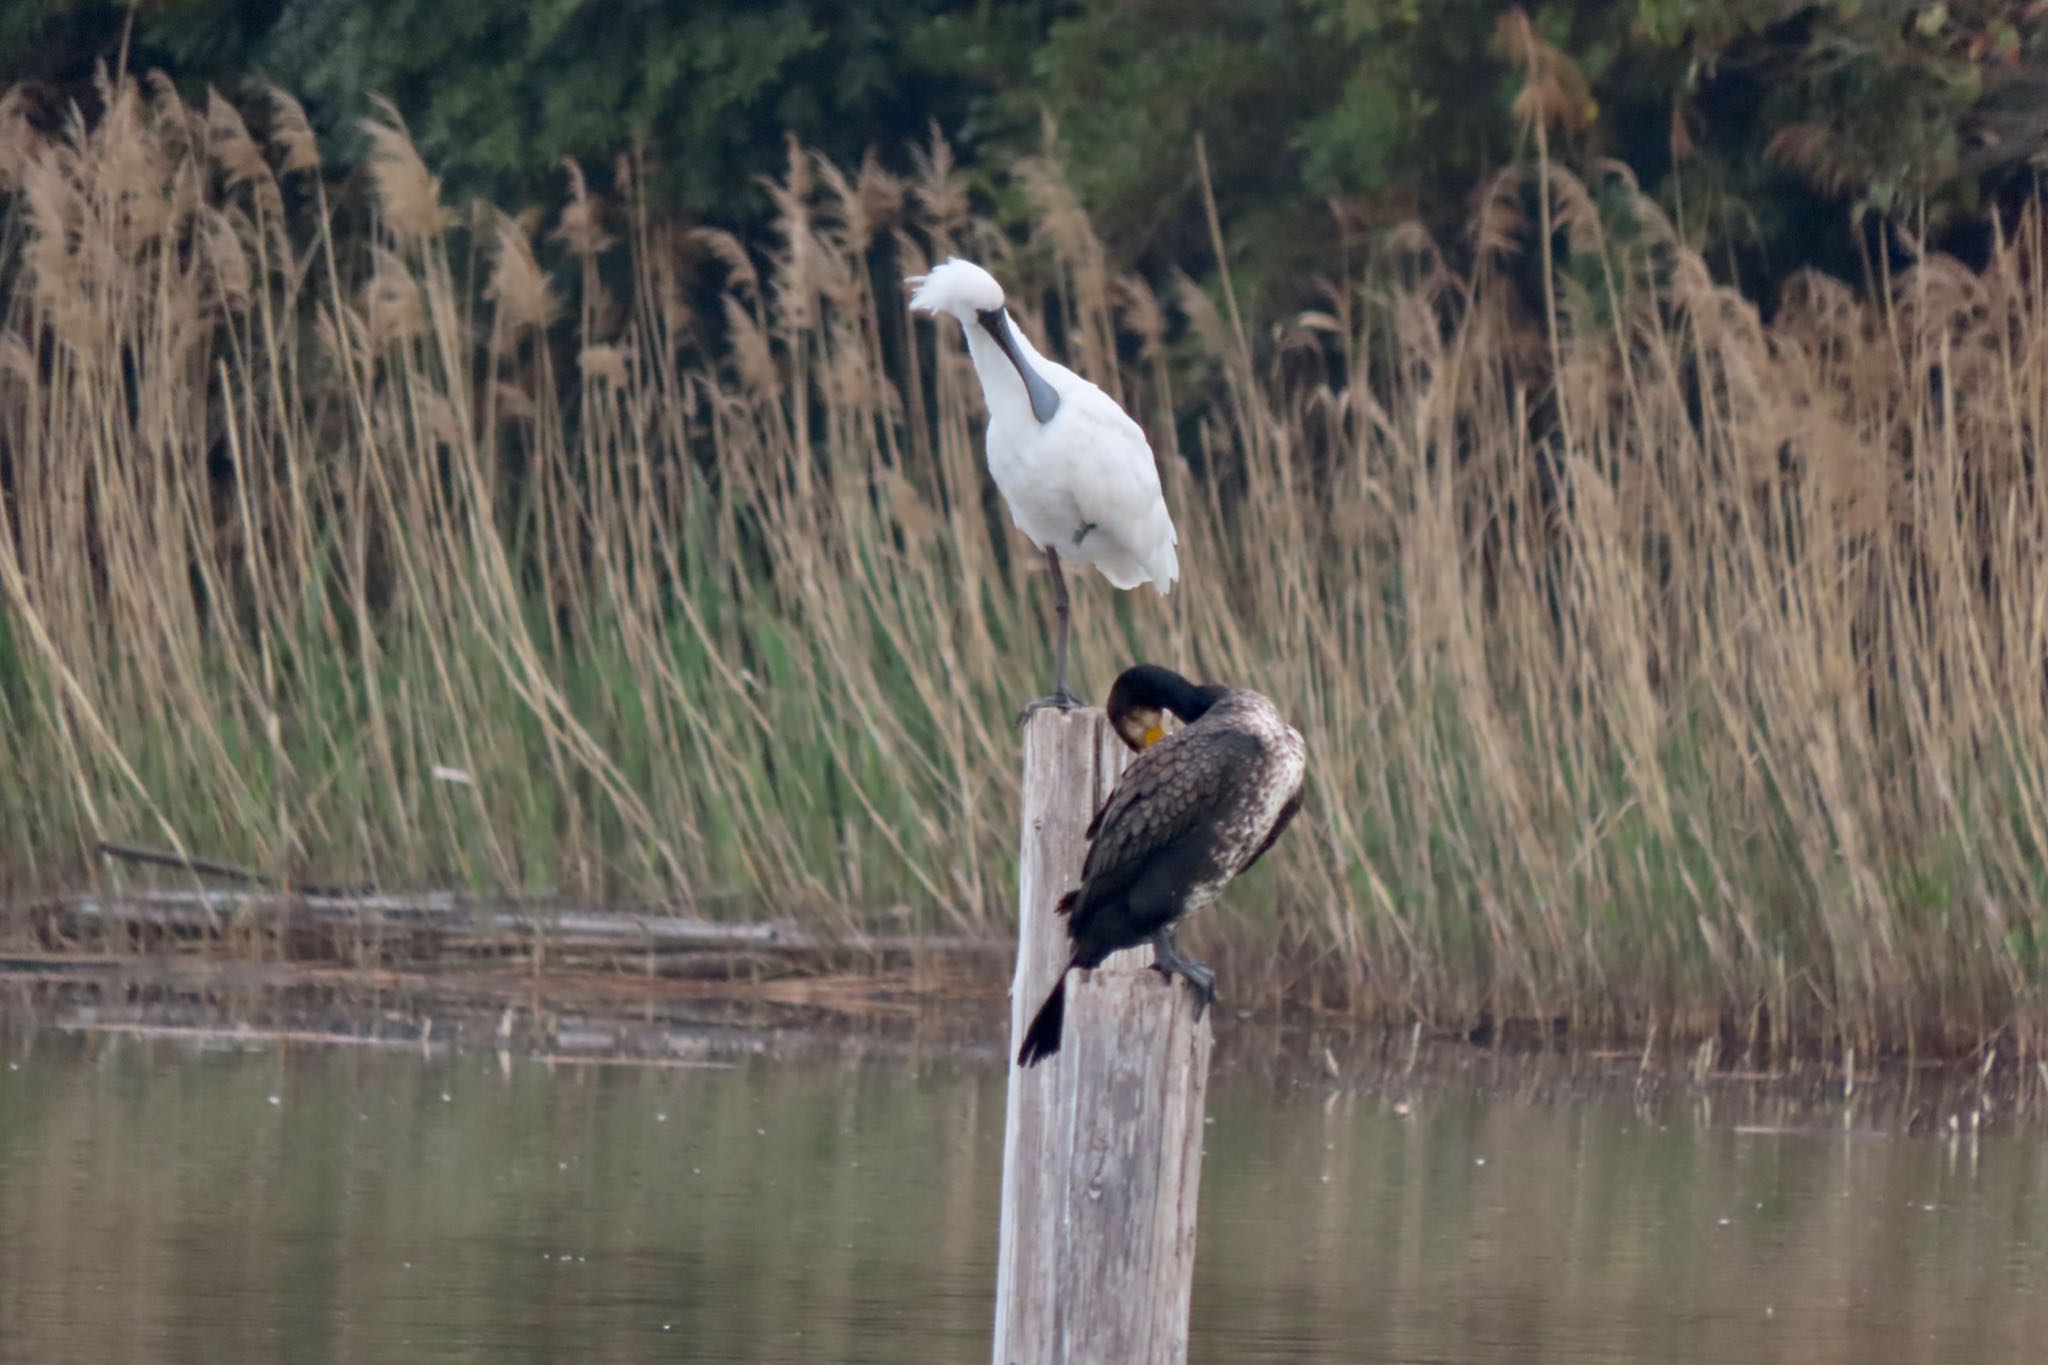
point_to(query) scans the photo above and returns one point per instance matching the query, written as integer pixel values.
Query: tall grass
(1664, 669)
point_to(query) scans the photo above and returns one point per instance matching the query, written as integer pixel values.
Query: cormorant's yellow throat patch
(1153, 734)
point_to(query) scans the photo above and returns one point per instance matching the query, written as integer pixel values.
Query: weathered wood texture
(1102, 1147)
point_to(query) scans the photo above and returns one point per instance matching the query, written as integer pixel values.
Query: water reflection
(164, 1203)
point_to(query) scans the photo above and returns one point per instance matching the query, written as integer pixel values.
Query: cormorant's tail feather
(1042, 1039)
(1067, 903)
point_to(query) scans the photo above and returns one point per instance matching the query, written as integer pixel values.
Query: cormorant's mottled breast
(1196, 808)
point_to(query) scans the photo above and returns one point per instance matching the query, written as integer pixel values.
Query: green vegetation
(499, 94)
(1762, 128)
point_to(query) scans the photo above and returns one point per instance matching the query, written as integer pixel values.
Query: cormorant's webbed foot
(1167, 961)
(1061, 699)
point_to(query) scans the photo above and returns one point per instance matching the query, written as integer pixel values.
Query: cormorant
(1076, 471)
(1196, 808)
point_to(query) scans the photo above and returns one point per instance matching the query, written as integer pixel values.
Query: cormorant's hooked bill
(1045, 401)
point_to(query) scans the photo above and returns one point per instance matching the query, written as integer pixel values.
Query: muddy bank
(500, 953)
(612, 1019)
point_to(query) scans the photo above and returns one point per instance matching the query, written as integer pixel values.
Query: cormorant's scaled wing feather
(1175, 791)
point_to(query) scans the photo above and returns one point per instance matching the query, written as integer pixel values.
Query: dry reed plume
(1664, 669)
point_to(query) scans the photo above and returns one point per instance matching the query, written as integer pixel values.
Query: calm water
(165, 1202)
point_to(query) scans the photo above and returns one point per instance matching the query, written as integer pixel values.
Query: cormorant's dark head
(1144, 693)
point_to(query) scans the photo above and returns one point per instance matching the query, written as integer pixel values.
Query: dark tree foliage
(1775, 131)
(498, 92)
(1763, 125)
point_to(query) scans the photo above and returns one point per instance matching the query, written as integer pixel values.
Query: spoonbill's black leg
(1061, 697)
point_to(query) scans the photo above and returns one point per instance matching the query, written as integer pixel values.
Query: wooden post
(1102, 1143)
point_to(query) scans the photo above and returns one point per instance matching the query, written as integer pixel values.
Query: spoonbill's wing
(1114, 481)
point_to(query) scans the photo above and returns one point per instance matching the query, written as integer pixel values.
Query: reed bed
(1666, 670)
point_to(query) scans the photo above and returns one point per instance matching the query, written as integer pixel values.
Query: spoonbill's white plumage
(1076, 471)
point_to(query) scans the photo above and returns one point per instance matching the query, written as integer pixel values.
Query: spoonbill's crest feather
(959, 287)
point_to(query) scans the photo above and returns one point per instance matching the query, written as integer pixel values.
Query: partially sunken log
(1102, 1147)
(443, 924)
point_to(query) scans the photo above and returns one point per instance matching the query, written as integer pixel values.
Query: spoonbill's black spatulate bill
(1196, 808)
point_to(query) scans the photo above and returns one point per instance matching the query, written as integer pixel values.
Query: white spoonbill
(1076, 471)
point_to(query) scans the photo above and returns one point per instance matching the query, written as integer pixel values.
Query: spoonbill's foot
(1062, 700)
